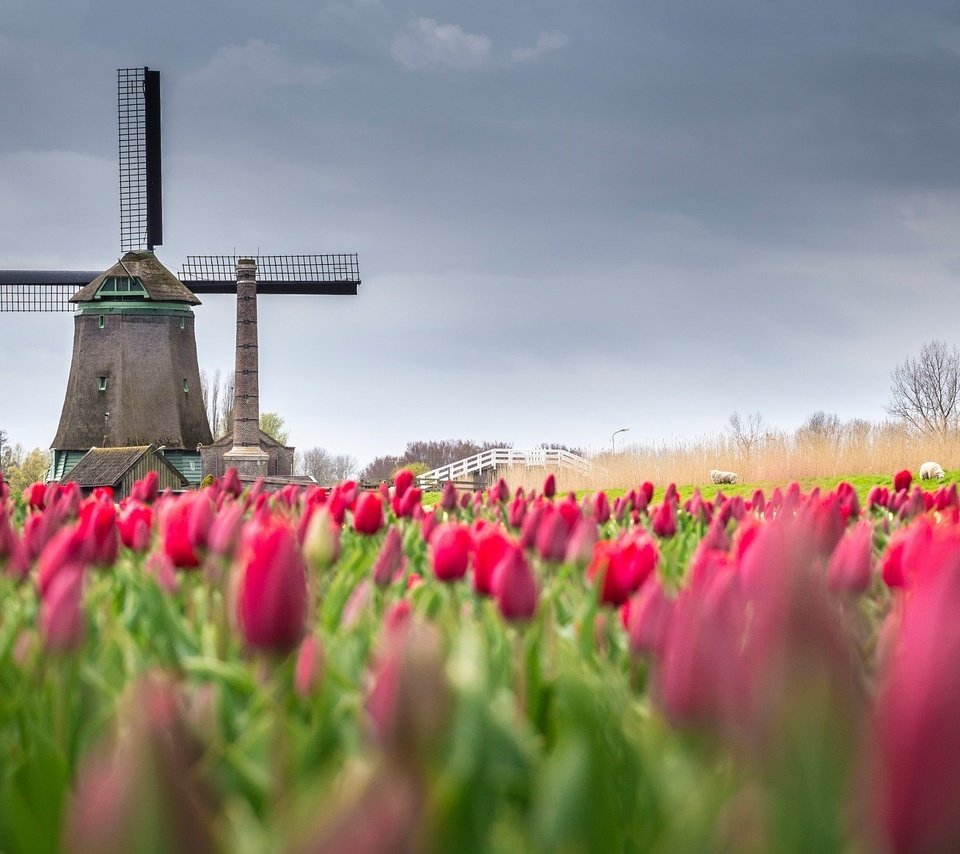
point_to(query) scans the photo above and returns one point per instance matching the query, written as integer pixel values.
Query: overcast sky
(572, 216)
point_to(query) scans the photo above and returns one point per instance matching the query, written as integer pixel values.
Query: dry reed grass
(779, 458)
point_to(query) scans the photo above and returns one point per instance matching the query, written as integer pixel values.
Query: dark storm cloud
(562, 208)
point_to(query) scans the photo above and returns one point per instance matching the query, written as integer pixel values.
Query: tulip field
(361, 671)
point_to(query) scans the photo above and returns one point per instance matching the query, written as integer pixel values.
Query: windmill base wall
(277, 460)
(133, 381)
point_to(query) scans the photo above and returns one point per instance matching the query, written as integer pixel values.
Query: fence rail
(497, 457)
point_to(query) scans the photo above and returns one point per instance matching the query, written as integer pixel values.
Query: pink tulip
(665, 520)
(225, 532)
(272, 598)
(917, 787)
(514, 586)
(649, 618)
(552, 534)
(450, 547)
(388, 560)
(448, 498)
(61, 615)
(849, 568)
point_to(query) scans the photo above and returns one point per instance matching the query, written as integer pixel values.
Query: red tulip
(499, 492)
(178, 544)
(491, 548)
(368, 515)
(665, 520)
(35, 496)
(623, 565)
(272, 598)
(145, 490)
(133, 523)
(450, 547)
(550, 486)
(514, 586)
(902, 480)
(402, 481)
(517, 511)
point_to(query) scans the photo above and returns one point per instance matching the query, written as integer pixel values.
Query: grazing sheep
(931, 471)
(722, 476)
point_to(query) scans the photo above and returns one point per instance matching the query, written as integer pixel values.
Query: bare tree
(748, 433)
(820, 428)
(925, 391)
(326, 468)
(217, 394)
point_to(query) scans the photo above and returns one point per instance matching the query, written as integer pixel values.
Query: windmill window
(183, 323)
(101, 383)
(100, 321)
(122, 287)
(186, 388)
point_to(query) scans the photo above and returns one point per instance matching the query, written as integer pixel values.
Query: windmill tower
(134, 378)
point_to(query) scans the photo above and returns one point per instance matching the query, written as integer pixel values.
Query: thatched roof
(159, 282)
(107, 466)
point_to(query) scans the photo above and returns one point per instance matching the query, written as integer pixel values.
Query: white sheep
(718, 476)
(931, 471)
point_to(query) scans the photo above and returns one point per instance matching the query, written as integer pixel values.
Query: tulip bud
(402, 481)
(321, 542)
(552, 534)
(61, 617)
(849, 568)
(902, 480)
(450, 548)
(665, 520)
(387, 562)
(491, 549)
(448, 500)
(550, 486)
(514, 586)
(368, 515)
(272, 598)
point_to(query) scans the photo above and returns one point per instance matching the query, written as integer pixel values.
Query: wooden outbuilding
(120, 468)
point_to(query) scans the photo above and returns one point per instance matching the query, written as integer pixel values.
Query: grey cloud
(427, 43)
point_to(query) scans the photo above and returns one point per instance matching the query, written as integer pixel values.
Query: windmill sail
(138, 106)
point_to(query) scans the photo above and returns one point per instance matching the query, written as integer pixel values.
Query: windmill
(134, 378)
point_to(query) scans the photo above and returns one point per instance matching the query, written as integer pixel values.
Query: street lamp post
(613, 438)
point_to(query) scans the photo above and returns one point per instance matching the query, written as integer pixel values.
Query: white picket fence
(545, 458)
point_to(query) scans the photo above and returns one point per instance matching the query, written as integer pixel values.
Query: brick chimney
(246, 455)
